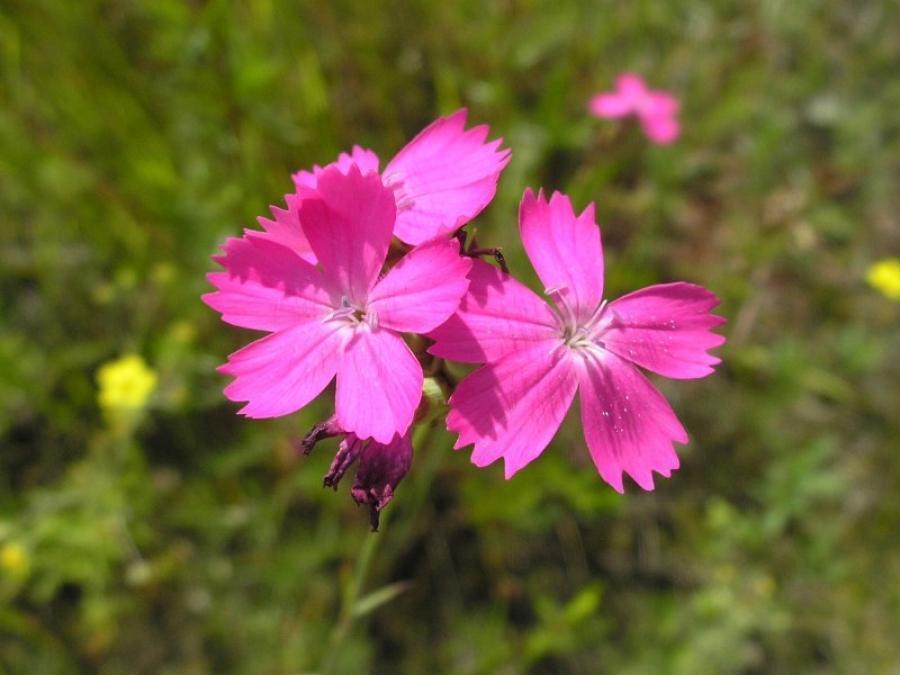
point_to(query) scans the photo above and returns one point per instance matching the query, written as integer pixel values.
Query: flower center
(353, 314)
(579, 338)
(578, 332)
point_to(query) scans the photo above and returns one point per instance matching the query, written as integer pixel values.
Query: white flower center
(580, 333)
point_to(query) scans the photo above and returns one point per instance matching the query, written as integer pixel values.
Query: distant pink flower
(656, 110)
(441, 179)
(338, 318)
(537, 355)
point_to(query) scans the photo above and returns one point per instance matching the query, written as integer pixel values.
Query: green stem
(351, 595)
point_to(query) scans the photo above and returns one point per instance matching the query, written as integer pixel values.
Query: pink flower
(441, 179)
(339, 318)
(656, 110)
(537, 355)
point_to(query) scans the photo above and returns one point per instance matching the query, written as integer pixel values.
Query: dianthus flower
(537, 355)
(339, 317)
(656, 110)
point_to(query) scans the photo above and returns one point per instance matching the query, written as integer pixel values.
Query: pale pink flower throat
(395, 182)
(576, 332)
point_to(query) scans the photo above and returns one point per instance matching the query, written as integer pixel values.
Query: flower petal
(497, 316)
(444, 177)
(564, 249)
(422, 290)
(349, 226)
(285, 229)
(282, 372)
(513, 408)
(631, 87)
(628, 425)
(661, 129)
(365, 159)
(610, 105)
(265, 286)
(659, 104)
(379, 385)
(667, 329)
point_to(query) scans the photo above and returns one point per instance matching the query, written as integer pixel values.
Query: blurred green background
(180, 538)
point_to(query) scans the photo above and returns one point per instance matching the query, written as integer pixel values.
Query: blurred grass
(135, 136)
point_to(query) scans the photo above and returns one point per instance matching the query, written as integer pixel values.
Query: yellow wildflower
(13, 559)
(125, 384)
(885, 277)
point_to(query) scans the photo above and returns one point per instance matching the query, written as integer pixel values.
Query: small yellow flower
(885, 277)
(13, 559)
(125, 384)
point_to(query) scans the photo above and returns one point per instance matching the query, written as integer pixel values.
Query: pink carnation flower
(339, 317)
(656, 110)
(441, 179)
(539, 355)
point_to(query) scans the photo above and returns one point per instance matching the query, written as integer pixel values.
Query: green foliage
(135, 136)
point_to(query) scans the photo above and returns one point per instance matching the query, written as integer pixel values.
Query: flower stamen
(352, 314)
(562, 308)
